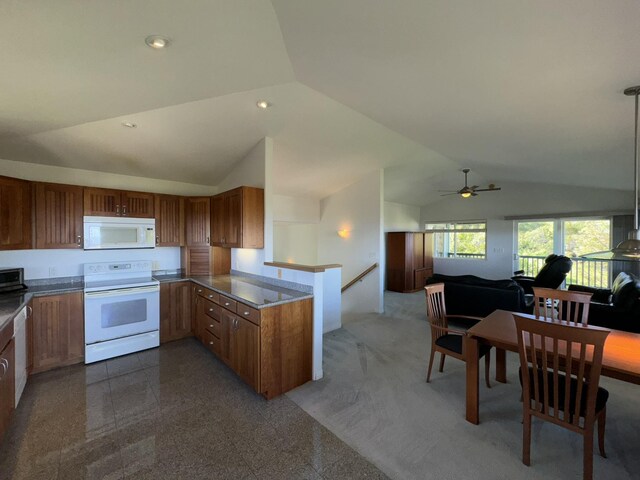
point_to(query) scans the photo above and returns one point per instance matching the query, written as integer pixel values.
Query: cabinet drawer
(208, 294)
(251, 314)
(212, 326)
(211, 342)
(227, 303)
(211, 309)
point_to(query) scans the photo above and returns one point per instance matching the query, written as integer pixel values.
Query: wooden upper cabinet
(238, 218)
(103, 202)
(137, 204)
(56, 331)
(218, 217)
(170, 223)
(58, 216)
(15, 214)
(198, 217)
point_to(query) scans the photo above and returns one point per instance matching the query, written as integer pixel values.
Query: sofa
(618, 308)
(475, 296)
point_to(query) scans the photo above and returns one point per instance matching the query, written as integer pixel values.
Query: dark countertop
(253, 292)
(12, 303)
(243, 289)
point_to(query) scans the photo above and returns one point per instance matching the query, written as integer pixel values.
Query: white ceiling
(515, 90)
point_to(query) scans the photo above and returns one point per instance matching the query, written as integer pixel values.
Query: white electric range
(121, 309)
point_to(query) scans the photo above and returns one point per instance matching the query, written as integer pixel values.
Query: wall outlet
(155, 265)
(52, 272)
(279, 273)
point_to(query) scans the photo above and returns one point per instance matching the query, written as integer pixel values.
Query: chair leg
(602, 420)
(433, 353)
(442, 355)
(487, 368)
(526, 438)
(587, 473)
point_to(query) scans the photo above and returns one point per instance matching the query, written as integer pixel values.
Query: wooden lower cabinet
(175, 311)
(56, 331)
(270, 348)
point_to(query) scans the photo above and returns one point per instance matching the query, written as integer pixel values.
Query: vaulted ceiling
(515, 90)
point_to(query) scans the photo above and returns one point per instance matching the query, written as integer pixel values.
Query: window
(459, 239)
(565, 236)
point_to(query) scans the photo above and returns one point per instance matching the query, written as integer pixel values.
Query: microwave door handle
(122, 292)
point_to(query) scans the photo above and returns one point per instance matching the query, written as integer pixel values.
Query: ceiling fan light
(465, 194)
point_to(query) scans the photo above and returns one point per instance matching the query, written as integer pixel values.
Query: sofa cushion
(625, 291)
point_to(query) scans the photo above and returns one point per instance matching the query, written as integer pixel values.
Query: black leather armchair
(618, 308)
(551, 275)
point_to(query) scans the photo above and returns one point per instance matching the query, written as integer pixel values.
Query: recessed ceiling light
(156, 41)
(129, 125)
(263, 104)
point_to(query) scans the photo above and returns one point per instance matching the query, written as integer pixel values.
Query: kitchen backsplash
(68, 263)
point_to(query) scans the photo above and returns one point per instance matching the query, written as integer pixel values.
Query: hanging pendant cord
(635, 190)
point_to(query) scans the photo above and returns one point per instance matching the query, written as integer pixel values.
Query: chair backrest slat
(571, 308)
(436, 310)
(560, 366)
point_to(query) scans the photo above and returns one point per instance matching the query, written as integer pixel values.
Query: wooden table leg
(501, 365)
(472, 380)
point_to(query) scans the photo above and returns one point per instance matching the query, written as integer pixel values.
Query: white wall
(75, 176)
(254, 170)
(68, 263)
(515, 199)
(295, 209)
(295, 243)
(357, 208)
(399, 217)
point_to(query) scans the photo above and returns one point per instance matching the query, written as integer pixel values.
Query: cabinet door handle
(211, 309)
(117, 209)
(246, 313)
(207, 239)
(226, 304)
(210, 342)
(79, 240)
(211, 295)
(199, 290)
(211, 326)
(124, 210)
(157, 240)
(29, 311)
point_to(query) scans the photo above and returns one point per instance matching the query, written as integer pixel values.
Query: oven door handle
(122, 291)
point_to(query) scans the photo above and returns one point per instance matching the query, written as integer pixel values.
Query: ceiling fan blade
(474, 187)
(448, 191)
(488, 189)
(447, 194)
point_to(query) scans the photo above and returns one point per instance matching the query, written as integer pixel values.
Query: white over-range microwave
(102, 233)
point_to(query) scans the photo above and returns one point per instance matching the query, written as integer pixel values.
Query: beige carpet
(374, 397)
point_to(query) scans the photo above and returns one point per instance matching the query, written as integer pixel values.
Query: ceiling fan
(470, 191)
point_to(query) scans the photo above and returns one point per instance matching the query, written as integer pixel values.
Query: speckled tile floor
(170, 413)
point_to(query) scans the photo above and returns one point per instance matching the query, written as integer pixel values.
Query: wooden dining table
(621, 358)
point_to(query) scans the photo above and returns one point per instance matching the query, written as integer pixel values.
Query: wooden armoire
(409, 260)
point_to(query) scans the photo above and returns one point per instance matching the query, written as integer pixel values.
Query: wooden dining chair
(571, 308)
(446, 340)
(563, 364)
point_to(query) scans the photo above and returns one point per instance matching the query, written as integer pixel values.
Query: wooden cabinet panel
(169, 211)
(137, 204)
(175, 311)
(218, 219)
(59, 210)
(57, 331)
(238, 218)
(227, 320)
(102, 202)
(232, 231)
(15, 214)
(245, 351)
(198, 218)
(409, 260)
(7, 386)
